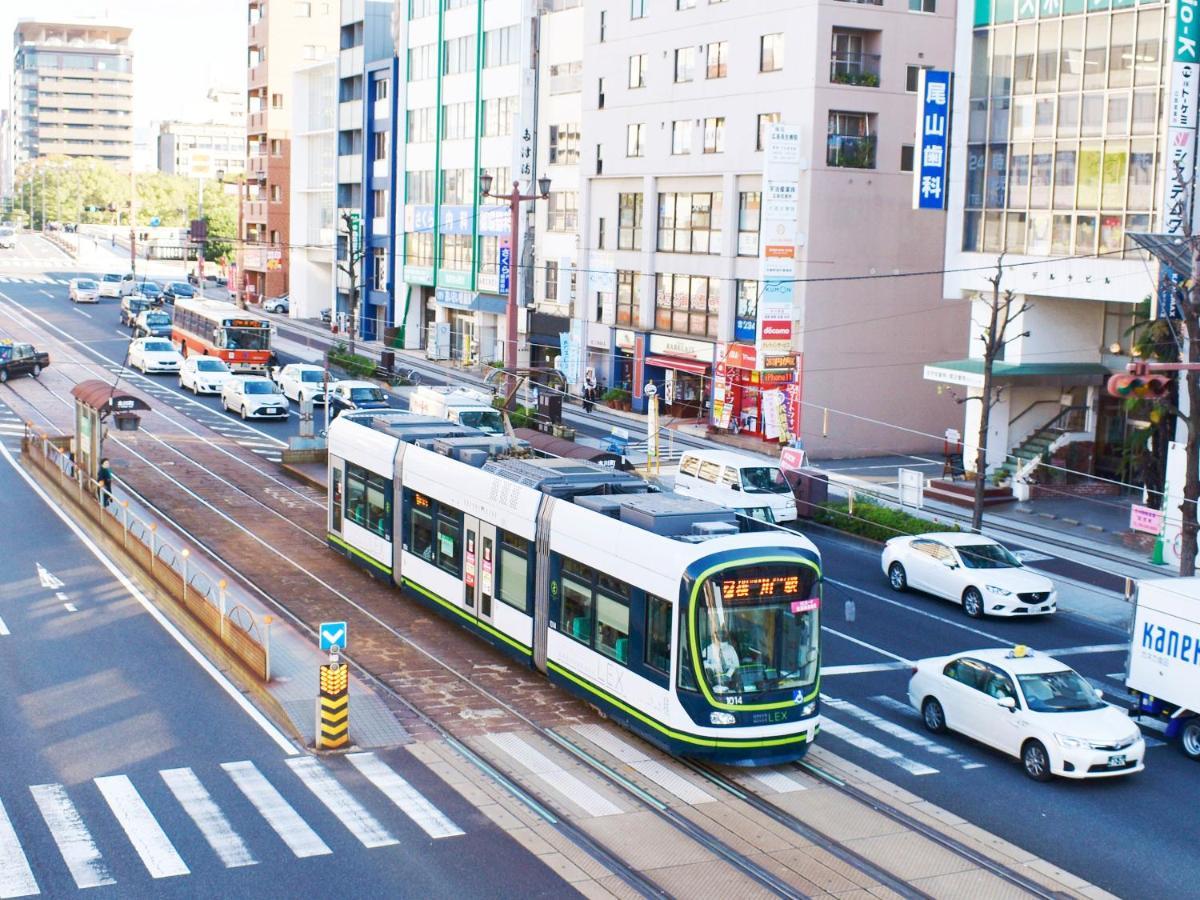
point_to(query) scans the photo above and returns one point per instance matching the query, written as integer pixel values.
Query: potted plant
(615, 397)
(1000, 476)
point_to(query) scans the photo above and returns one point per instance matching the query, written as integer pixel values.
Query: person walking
(105, 477)
(589, 392)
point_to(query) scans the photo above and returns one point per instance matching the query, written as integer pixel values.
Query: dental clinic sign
(1181, 116)
(933, 140)
(777, 256)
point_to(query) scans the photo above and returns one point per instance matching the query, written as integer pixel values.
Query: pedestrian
(589, 392)
(105, 477)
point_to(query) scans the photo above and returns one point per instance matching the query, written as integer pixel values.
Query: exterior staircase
(1065, 428)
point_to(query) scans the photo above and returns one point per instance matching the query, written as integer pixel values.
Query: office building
(201, 149)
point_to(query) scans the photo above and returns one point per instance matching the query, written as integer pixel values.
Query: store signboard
(777, 255)
(1181, 118)
(933, 139)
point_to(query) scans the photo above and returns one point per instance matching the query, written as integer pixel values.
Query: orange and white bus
(215, 328)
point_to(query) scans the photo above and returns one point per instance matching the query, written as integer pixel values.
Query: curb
(303, 477)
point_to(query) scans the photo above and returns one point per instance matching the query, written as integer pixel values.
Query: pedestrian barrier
(232, 624)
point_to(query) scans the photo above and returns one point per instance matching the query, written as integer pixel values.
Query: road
(1092, 828)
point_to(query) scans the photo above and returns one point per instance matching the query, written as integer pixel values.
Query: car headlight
(993, 589)
(1065, 740)
(721, 718)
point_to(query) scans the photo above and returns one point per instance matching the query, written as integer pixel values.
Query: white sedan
(1029, 706)
(968, 569)
(203, 374)
(154, 355)
(253, 397)
(299, 381)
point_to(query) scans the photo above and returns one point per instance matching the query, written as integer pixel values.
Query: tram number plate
(1116, 761)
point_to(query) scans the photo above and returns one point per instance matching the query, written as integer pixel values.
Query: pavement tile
(716, 879)
(564, 868)
(909, 855)
(531, 840)
(818, 873)
(976, 884)
(644, 841)
(1060, 875)
(744, 834)
(828, 811)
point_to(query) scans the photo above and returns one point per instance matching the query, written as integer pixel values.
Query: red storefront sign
(741, 356)
(639, 365)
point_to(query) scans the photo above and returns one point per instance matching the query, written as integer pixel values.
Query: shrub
(615, 395)
(877, 523)
(353, 364)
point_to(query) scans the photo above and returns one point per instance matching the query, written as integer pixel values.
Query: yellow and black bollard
(333, 707)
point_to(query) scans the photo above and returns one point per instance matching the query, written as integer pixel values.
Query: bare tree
(1002, 313)
(354, 255)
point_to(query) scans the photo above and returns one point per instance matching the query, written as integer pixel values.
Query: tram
(654, 607)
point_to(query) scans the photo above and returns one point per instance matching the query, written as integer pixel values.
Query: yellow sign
(333, 708)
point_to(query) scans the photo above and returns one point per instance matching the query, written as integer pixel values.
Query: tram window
(658, 633)
(337, 500)
(687, 678)
(577, 607)
(367, 500)
(612, 628)
(421, 533)
(514, 571)
(614, 586)
(449, 543)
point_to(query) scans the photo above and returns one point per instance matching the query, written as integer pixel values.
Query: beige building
(72, 92)
(200, 150)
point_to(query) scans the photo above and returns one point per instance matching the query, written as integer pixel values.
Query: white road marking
(75, 843)
(640, 762)
(863, 668)
(779, 782)
(47, 293)
(1087, 648)
(198, 804)
(898, 731)
(81, 312)
(338, 801)
(279, 814)
(149, 840)
(70, 607)
(59, 595)
(430, 819)
(879, 650)
(4, 632)
(872, 746)
(16, 878)
(554, 776)
(47, 579)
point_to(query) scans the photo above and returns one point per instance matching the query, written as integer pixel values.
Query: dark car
(173, 289)
(344, 395)
(152, 323)
(326, 315)
(20, 359)
(150, 290)
(133, 306)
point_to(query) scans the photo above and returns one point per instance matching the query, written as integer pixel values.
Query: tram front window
(757, 631)
(243, 338)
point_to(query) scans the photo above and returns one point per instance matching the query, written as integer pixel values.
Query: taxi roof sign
(1020, 651)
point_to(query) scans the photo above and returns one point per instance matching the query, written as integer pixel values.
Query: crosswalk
(33, 279)
(80, 820)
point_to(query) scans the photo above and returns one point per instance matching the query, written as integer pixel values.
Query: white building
(312, 189)
(201, 149)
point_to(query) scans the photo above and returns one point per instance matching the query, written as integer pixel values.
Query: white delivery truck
(1164, 657)
(458, 404)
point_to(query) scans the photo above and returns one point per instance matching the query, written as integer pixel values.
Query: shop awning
(969, 372)
(679, 365)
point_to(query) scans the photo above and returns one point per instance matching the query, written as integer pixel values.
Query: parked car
(299, 381)
(276, 304)
(253, 397)
(173, 289)
(116, 285)
(132, 307)
(20, 359)
(152, 323)
(344, 395)
(1030, 706)
(327, 315)
(154, 355)
(8, 237)
(204, 374)
(83, 290)
(969, 569)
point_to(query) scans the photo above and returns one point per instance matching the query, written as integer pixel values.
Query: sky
(181, 48)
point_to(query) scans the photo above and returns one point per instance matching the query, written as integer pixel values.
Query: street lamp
(514, 200)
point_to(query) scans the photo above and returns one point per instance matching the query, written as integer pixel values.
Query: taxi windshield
(756, 630)
(1065, 691)
(987, 556)
(764, 480)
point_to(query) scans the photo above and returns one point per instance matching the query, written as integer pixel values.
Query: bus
(215, 328)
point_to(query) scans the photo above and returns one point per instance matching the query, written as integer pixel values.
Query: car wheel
(1189, 739)
(3, 375)
(37, 370)
(1035, 760)
(897, 577)
(933, 715)
(243, 414)
(972, 602)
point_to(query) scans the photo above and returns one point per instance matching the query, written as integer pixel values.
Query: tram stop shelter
(96, 402)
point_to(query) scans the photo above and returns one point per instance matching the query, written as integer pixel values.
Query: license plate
(1116, 761)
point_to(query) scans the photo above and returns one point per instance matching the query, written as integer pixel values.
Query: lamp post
(514, 200)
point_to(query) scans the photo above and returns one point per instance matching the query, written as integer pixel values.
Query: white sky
(181, 48)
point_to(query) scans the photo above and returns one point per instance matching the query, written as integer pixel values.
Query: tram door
(479, 567)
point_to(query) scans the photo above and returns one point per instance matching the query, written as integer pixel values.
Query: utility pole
(354, 255)
(133, 219)
(43, 168)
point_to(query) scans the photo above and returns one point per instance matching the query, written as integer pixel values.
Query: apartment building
(679, 103)
(282, 36)
(72, 92)
(313, 225)
(1058, 154)
(201, 149)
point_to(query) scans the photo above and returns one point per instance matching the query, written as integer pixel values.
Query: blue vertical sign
(1168, 294)
(933, 143)
(505, 265)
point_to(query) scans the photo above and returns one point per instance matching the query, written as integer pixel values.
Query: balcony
(257, 76)
(861, 69)
(850, 151)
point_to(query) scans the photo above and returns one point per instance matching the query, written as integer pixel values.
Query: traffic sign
(332, 635)
(155, 222)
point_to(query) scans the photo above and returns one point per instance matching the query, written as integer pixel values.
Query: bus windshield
(244, 339)
(757, 631)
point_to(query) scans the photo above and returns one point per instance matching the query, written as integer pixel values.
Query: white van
(735, 481)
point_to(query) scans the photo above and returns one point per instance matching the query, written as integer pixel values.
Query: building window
(379, 204)
(689, 223)
(418, 248)
(637, 70)
(564, 144)
(459, 55)
(379, 269)
(562, 211)
(714, 135)
(275, 242)
(421, 125)
(851, 141)
(637, 8)
(276, 147)
(635, 139)
(487, 260)
(552, 281)
(603, 14)
(685, 64)
(419, 9)
(601, 235)
(926, 6)
(681, 137)
(419, 186)
(458, 121)
(457, 187)
(770, 52)
(687, 304)
(718, 53)
(685, 4)
(906, 157)
(745, 320)
(749, 222)
(276, 193)
(765, 120)
(457, 252)
(600, 93)
(422, 62)
(912, 75)
(501, 46)
(566, 78)
(498, 115)
(277, 101)
(629, 298)
(629, 222)
(381, 145)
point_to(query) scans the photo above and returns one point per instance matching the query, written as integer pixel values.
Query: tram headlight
(809, 708)
(722, 718)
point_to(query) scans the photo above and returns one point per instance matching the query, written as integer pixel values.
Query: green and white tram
(652, 606)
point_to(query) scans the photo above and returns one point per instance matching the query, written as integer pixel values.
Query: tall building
(313, 189)
(282, 35)
(72, 92)
(366, 66)
(1058, 154)
(679, 104)
(201, 149)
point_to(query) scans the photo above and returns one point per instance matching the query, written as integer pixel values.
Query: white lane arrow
(48, 580)
(334, 637)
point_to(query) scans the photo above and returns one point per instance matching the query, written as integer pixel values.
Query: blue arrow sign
(155, 222)
(332, 635)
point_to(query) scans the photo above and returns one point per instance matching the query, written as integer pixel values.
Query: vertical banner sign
(722, 408)
(505, 265)
(933, 139)
(639, 366)
(777, 254)
(793, 392)
(1181, 118)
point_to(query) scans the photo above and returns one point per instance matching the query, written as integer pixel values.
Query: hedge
(354, 365)
(877, 523)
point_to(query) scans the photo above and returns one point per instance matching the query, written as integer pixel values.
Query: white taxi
(300, 381)
(253, 397)
(154, 355)
(203, 374)
(1030, 706)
